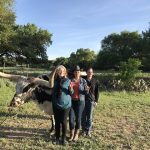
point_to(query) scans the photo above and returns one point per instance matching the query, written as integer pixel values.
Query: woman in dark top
(91, 99)
(61, 103)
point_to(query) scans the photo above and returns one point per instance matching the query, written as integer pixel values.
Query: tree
(32, 43)
(7, 16)
(7, 21)
(61, 61)
(83, 57)
(128, 71)
(145, 53)
(119, 47)
(25, 43)
(106, 60)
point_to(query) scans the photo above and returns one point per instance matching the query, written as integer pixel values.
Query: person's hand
(70, 86)
(87, 88)
(95, 103)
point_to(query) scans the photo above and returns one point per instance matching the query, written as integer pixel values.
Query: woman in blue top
(61, 102)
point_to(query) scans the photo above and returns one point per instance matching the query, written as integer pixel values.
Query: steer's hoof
(51, 133)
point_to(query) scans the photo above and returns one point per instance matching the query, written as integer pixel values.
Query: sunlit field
(121, 121)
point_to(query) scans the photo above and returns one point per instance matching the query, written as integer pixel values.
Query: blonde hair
(60, 68)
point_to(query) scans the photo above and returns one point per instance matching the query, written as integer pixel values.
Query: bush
(128, 71)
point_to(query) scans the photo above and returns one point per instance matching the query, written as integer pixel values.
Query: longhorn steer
(37, 89)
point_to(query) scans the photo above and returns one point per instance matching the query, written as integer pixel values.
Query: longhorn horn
(42, 82)
(9, 76)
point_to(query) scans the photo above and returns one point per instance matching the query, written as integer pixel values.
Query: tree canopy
(22, 43)
(7, 15)
(32, 42)
(83, 57)
(118, 47)
(145, 53)
(62, 61)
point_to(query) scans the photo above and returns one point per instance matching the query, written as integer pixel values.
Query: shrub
(128, 71)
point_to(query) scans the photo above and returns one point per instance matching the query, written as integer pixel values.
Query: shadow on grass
(13, 132)
(4, 114)
(20, 132)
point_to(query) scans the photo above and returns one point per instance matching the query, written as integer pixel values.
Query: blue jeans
(75, 114)
(87, 116)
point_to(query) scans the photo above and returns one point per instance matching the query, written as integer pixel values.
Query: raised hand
(87, 88)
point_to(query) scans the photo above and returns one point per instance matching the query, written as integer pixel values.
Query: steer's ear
(31, 85)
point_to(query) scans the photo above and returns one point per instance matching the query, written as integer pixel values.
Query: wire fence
(23, 70)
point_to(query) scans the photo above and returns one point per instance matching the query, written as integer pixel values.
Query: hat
(76, 68)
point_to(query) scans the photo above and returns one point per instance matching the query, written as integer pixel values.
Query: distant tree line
(28, 44)
(115, 48)
(82, 57)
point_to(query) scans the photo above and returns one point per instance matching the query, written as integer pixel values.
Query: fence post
(4, 67)
(27, 70)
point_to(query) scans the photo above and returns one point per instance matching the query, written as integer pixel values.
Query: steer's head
(23, 93)
(25, 86)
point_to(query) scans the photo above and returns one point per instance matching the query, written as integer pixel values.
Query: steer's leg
(53, 125)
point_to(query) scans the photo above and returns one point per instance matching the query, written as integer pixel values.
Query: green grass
(121, 122)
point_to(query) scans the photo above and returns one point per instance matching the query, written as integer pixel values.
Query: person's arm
(86, 87)
(70, 88)
(96, 91)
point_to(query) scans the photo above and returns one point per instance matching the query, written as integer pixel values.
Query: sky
(82, 23)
